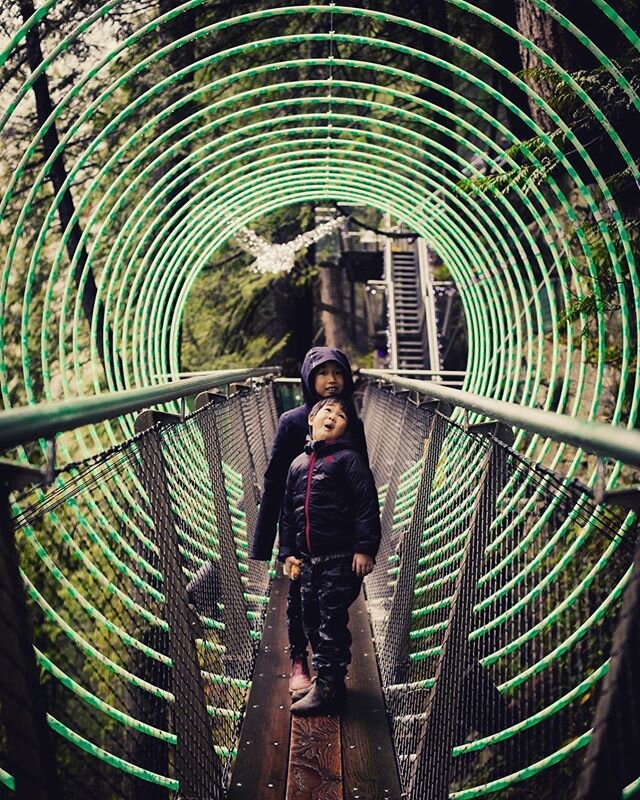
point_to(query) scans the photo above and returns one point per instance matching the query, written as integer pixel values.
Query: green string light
(161, 186)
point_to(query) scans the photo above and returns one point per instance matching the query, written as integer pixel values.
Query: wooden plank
(260, 770)
(315, 759)
(369, 764)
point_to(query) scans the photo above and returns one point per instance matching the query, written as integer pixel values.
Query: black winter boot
(327, 696)
(300, 693)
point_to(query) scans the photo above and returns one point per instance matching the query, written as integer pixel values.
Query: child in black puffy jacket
(330, 530)
(326, 372)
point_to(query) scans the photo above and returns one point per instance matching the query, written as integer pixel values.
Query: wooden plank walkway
(349, 757)
(261, 766)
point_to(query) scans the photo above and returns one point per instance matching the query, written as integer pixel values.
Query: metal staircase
(410, 334)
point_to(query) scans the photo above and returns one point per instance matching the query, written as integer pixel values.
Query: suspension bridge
(142, 654)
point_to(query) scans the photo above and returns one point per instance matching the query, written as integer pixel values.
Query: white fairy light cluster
(281, 257)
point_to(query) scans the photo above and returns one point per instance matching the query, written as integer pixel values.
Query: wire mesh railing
(504, 606)
(494, 607)
(143, 609)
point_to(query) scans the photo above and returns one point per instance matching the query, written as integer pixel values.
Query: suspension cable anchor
(204, 398)
(493, 429)
(149, 417)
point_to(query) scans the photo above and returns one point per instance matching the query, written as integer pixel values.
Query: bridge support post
(29, 746)
(247, 411)
(237, 633)
(397, 637)
(196, 764)
(430, 775)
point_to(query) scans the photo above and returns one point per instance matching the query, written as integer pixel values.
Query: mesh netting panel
(495, 601)
(144, 610)
(241, 480)
(501, 585)
(259, 423)
(91, 567)
(396, 462)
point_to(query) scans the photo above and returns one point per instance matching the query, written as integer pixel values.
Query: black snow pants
(329, 586)
(297, 637)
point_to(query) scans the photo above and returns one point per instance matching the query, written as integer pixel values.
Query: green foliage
(598, 291)
(232, 316)
(595, 243)
(535, 160)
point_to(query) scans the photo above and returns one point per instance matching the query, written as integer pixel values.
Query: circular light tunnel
(139, 138)
(136, 145)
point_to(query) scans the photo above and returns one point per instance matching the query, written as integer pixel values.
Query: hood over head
(314, 358)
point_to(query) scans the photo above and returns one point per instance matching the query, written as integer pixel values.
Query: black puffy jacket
(330, 504)
(291, 434)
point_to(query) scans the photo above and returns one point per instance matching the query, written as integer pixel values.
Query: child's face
(329, 423)
(328, 379)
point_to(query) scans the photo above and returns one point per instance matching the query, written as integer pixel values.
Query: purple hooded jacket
(291, 436)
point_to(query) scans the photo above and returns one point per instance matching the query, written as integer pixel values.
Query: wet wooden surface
(260, 771)
(315, 762)
(317, 758)
(370, 771)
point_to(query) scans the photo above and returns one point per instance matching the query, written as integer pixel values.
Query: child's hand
(292, 567)
(362, 564)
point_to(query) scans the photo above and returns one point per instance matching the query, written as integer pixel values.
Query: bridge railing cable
(504, 607)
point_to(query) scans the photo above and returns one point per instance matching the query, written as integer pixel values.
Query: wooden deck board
(317, 758)
(370, 770)
(260, 771)
(315, 762)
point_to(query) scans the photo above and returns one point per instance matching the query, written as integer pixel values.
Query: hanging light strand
(281, 257)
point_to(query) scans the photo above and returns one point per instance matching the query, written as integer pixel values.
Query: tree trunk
(335, 329)
(434, 14)
(510, 57)
(293, 316)
(58, 172)
(180, 26)
(540, 28)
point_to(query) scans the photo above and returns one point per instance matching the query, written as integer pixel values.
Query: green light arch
(247, 140)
